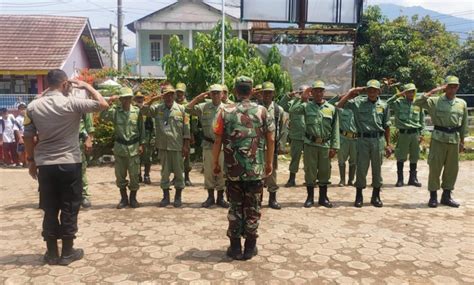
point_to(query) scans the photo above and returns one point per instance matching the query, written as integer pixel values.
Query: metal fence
(11, 101)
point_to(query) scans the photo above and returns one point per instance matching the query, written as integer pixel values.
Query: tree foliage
(409, 50)
(200, 67)
(464, 66)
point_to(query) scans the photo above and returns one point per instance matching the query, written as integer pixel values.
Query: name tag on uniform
(327, 112)
(416, 109)
(379, 110)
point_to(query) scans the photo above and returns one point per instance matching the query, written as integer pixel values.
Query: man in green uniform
(181, 100)
(86, 136)
(257, 94)
(321, 140)
(372, 119)
(410, 122)
(147, 156)
(129, 139)
(173, 134)
(348, 147)
(206, 112)
(244, 129)
(296, 134)
(275, 111)
(225, 95)
(450, 119)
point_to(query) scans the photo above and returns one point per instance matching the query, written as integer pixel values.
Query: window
(156, 47)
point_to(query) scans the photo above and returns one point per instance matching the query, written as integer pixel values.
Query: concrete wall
(76, 61)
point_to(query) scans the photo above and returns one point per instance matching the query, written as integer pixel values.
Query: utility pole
(302, 12)
(119, 34)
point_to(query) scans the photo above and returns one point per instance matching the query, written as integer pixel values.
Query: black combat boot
(352, 171)
(187, 181)
(51, 256)
(234, 251)
(250, 249)
(310, 199)
(220, 199)
(133, 199)
(400, 174)
(375, 201)
(272, 201)
(359, 201)
(210, 199)
(413, 180)
(433, 202)
(177, 198)
(323, 197)
(447, 200)
(124, 201)
(291, 181)
(342, 174)
(70, 254)
(166, 198)
(146, 177)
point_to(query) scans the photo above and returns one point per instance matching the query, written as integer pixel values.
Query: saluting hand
(203, 96)
(79, 84)
(306, 94)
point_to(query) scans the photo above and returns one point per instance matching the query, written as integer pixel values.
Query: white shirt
(20, 119)
(10, 128)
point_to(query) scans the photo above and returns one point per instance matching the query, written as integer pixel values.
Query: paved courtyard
(402, 243)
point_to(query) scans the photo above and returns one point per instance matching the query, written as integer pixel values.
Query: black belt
(447, 130)
(350, 135)
(371, 135)
(129, 142)
(409, 131)
(316, 139)
(207, 139)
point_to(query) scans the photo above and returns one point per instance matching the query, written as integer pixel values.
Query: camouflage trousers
(245, 198)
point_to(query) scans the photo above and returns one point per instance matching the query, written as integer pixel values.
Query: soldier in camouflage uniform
(181, 100)
(86, 136)
(147, 155)
(244, 129)
(410, 122)
(321, 141)
(206, 112)
(129, 140)
(173, 134)
(450, 119)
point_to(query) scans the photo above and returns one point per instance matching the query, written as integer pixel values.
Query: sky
(102, 13)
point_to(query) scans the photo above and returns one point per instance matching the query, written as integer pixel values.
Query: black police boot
(399, 174)
(359, 201)
(210, 199)
(220, 200)
(310, 199)
(342, 174)
(146, 177)
(177, 198)
(250, 249)
(133, 199)
(447, 200)
(291, 181)
(272, 201)
(70, 254)
(166, 198)
(433, 202)
(323, 197)
(51, 256)
(234, 251)
(413, 180)
(352, 171)
(124, 201)
(86, 203)
(187, 181)
(375, 201)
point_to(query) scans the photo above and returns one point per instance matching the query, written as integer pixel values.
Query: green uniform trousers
(171, 162)
(370, 151)
(347, 150)
(147, 155)
(85, 184)
(408, 144)
(443, 157)
(211, 181)
(124, 164)
(296, 149)
(271, 181)
(317, 165)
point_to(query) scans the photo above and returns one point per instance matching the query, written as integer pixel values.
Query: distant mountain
(460, 26)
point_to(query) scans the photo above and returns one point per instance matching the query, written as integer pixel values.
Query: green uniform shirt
(296, 125)
(282, 128)
(407, 115)
(369, 116)
(128, 126)
(346, 117)
(86, 126)
(446, 113)
(171, 125)
(321, 122)
(206, 112)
